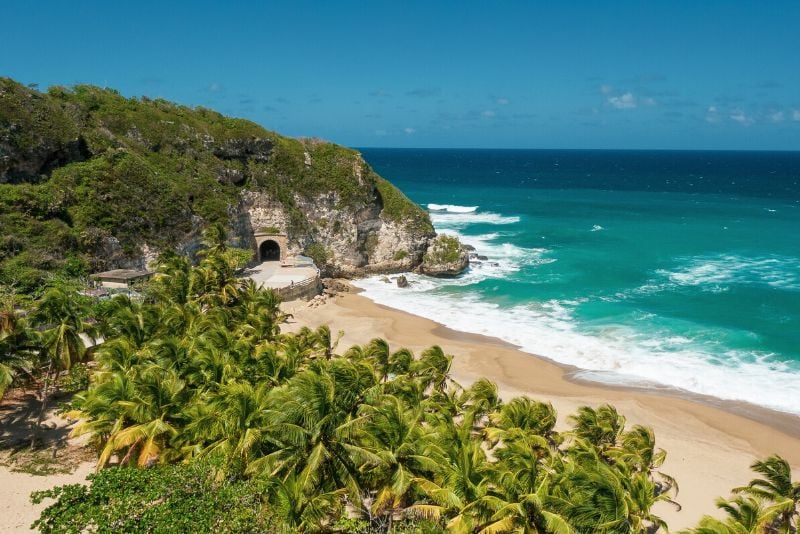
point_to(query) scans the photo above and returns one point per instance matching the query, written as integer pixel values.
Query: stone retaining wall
(307, 289)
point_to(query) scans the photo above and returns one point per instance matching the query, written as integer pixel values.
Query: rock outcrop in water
(92, 180)
(446, 257)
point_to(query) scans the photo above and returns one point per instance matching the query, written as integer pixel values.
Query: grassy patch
(399, 209)
(400, 255)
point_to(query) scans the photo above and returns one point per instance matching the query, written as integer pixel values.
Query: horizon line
(581, 149)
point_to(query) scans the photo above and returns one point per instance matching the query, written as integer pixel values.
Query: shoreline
(710, 442)
(783, 422)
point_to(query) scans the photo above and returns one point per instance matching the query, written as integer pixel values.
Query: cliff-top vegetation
(84, 171)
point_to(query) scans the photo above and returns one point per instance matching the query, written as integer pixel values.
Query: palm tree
(482, 400)
(637, 454)
(232, 423)
(17, 347)
(527, 513)
(100, 410)
(173, 281)
(61, 315)
(745, 515)
(601, 429)
(300, 507)
(590, 494)
(394, 433)
(150, 418)
(433, 368)
(777, 488)
(522, 417)
(323, 339)
(461, 480)
(314, 427)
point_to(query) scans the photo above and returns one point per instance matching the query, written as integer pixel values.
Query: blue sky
(678, 74)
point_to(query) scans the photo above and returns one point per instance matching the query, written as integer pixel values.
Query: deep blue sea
(657, 268)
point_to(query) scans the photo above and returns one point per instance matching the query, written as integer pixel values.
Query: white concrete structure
(276, 275)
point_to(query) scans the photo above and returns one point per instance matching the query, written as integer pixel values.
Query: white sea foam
(596, 228)
(608, 353)
(460, 220)
(612, 353)
(504, 259)
(452, 208)
(714, 273)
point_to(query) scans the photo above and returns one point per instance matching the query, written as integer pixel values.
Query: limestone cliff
(91, 180)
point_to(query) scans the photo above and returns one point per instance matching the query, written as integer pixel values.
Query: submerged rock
(402, 281)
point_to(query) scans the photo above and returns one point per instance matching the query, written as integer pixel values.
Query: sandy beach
(17, 513)
(710, 443)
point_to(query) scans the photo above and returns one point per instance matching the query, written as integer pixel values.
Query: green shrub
(75, 380)
(399, 209)
(318, 253)
(75, 266)
(400, 255)
(443, 249)
(167, 498)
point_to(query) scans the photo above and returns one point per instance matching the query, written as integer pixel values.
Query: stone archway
(269, 250)
(266, 244)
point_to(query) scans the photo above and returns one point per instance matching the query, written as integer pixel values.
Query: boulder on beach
(402, 281)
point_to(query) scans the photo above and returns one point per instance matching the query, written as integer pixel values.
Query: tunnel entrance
(269, 251)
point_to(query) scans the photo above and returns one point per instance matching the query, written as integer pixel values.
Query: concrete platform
(273, 275)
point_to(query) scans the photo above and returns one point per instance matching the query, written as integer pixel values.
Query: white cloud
(796, 115)
(776, 117)
(606, 89)
(649, 101)
(215, 87)
(409, 131)
(624, 101)
(503, 101)
(737, 115)
(711, 115)
(488, 113)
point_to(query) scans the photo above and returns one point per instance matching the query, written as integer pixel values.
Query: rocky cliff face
(352, 242)
(92, 180)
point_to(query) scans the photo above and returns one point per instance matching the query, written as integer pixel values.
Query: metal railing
(297, 289)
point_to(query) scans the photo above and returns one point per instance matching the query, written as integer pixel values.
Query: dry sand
(710, 444)
(16, 510)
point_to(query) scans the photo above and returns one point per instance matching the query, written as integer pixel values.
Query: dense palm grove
(206, 417)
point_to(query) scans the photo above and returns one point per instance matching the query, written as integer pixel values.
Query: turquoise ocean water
(678, 269)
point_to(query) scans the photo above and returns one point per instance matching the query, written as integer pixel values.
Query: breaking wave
(452, 208)
(644, 352)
